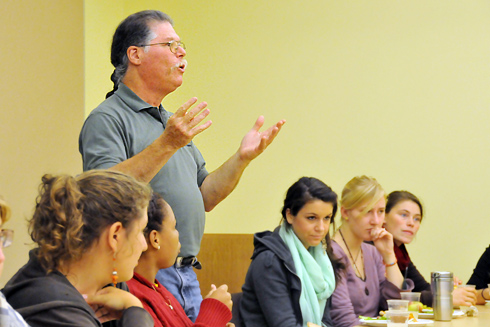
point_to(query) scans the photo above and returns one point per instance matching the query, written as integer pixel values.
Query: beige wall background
(397, 90)
(41, 105)
(394, 90)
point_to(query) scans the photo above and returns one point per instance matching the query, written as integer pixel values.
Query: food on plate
(415, 306)
(371, 318)
(412, 318)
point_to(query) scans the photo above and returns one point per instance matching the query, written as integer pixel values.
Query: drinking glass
(398, 305)
(398, 318)
(414, 304)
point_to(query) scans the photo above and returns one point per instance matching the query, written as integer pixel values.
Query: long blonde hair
(359, 191)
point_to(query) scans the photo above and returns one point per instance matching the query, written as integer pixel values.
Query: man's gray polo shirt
(121, 127)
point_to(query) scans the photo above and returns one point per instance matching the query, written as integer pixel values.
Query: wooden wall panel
(225, 259)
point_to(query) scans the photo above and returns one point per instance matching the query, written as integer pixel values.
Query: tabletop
(483, 319)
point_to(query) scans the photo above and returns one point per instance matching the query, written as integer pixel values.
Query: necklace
(167, 300)
(354, 261)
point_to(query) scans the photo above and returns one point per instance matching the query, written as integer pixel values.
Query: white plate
(430, 315)
(419, 323)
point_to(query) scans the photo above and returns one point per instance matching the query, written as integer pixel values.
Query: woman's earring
(158, 248)
(114, 270)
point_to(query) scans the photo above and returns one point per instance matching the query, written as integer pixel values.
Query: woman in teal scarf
(293, 271)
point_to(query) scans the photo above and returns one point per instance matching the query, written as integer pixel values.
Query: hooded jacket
(51, 300)
(272, 288)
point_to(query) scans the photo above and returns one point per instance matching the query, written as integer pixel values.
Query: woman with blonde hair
(8, 316)
(372, 275)
(89, 233)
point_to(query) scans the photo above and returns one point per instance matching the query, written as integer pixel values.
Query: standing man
(131, 132)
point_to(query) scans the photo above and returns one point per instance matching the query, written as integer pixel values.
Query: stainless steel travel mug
(442, 294)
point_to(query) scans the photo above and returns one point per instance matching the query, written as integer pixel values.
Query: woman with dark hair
(89, 233)
(404, 214)
(293, 271)
(163, 247)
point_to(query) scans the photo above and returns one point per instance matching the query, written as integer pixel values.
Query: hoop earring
(114, 270)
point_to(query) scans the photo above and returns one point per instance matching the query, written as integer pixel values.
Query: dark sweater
(420, 284)
(272, 289)
(51, 300)
(481, 273)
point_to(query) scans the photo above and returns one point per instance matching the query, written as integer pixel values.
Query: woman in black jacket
(293, 271)
(404, 213)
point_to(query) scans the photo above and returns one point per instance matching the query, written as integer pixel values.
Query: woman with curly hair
(89, 233)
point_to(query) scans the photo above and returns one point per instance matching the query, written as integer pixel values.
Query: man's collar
(131, 99)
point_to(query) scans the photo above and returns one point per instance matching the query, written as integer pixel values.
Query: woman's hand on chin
(109, 303)
(383, 241)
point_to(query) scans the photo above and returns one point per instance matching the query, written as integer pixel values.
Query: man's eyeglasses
(173, 45)
(6, 237)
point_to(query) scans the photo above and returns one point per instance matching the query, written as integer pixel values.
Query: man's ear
(114, 236)
(135, 54)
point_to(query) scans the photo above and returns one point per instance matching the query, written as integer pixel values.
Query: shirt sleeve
(212, 313)
(202, 173)
(271, 286)
(420, 284)
(387, 289)
(481, 273)
(135, 316)
(102, 142)
(8, 316)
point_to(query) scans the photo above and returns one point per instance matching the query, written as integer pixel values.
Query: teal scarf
(315, 271)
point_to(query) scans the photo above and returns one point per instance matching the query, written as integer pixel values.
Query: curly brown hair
(72, 212)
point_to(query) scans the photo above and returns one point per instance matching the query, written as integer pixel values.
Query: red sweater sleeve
(212, 313)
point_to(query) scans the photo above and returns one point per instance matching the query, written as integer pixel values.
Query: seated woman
(89, 233)
(372, 276)
(404, 214)
(163, 247)
(481, 277)
(293, 271)
(8, 316)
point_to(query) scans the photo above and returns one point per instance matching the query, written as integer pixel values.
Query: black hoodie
(272, 288)
(51, 300)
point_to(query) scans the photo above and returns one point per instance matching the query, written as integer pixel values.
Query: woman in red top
(163, 247)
